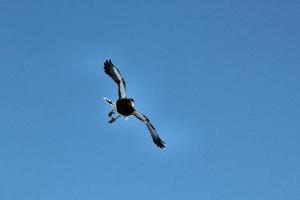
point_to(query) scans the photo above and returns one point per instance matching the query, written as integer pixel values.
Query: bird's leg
(113, 119)
(111, 113)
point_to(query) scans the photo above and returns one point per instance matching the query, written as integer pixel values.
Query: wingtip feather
(107, 66)
(159, 143)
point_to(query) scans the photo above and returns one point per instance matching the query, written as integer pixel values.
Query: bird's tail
(110, 102)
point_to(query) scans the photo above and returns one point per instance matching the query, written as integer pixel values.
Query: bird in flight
(124, 106)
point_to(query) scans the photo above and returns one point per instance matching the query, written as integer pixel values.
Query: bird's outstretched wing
(115, 74)
(156, 139)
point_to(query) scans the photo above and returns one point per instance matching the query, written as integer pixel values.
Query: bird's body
(125, 106)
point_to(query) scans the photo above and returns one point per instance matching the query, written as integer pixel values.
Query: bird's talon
(112, 120)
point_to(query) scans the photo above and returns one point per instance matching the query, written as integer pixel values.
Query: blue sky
(218, 79)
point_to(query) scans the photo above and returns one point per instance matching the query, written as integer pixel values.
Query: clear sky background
(220, 80)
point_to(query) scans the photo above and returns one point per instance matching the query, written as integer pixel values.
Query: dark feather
(155, 137)
(111, 70)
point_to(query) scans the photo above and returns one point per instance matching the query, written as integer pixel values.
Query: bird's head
(131, 102)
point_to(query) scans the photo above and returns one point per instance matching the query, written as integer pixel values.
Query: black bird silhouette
(125, 106)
